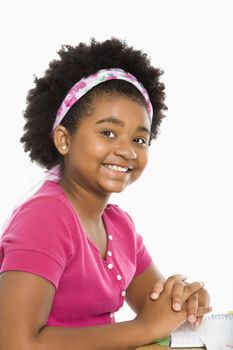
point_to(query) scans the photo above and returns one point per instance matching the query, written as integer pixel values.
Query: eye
(108, 133)
(140, 140)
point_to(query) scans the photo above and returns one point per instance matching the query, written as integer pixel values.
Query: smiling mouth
(118, 168)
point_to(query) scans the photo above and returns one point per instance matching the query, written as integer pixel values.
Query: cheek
(89, 149)
(142, 159)
(99, 148)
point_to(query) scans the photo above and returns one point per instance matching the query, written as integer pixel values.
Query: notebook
(217, 327)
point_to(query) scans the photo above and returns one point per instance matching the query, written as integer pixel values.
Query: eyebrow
(116, 121)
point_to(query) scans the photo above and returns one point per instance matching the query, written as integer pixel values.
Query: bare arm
(25, 303)
(141, 286)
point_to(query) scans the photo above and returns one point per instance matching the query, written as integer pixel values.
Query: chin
(119, 191)
(114, 189)
(109, 187)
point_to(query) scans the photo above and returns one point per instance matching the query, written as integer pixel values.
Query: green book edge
(164, 342)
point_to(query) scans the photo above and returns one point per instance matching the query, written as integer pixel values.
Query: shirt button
(109, 253)
(119, 277)
(111, 314)
(110, 237)
(110, 266)
(123, 293)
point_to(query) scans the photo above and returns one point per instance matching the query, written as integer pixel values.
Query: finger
(157, 289)
(177, 295)
(203, 300)
(199, 319)
(192, 307)
(202, 310)
(173, 279)
(204, 297)
(192, 288)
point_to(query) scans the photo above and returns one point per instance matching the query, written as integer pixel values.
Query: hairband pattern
(86, 84)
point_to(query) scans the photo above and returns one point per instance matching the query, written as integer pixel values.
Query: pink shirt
(45, 237)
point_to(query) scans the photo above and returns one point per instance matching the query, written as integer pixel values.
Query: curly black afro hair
(75, 63)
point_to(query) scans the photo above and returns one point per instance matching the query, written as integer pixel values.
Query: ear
(61, 139)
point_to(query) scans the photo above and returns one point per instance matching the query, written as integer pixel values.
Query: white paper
(216, 343)
(218, 327)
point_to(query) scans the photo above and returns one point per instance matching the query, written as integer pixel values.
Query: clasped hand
(197, 304)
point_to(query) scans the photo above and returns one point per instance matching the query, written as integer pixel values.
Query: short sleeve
(38, 239)
(143, 257)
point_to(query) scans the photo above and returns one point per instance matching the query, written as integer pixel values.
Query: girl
(68, 258)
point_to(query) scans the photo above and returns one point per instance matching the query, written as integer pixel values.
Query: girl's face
(109, 149)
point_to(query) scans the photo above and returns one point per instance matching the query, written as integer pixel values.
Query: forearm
(123, 335)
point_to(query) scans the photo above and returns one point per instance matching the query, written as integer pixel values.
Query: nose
(125, 150)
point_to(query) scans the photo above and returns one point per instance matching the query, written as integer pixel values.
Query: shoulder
(47, 206)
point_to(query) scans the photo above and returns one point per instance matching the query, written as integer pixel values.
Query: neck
(90, 206)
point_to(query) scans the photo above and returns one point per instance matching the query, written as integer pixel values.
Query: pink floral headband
(86, 84)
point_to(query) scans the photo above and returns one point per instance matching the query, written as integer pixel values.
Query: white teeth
(117, 168)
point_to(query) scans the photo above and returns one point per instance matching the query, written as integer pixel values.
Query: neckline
(103, 217)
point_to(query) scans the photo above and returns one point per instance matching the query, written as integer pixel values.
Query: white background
(182, 205)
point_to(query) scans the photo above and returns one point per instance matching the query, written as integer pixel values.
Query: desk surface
(159, 347)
